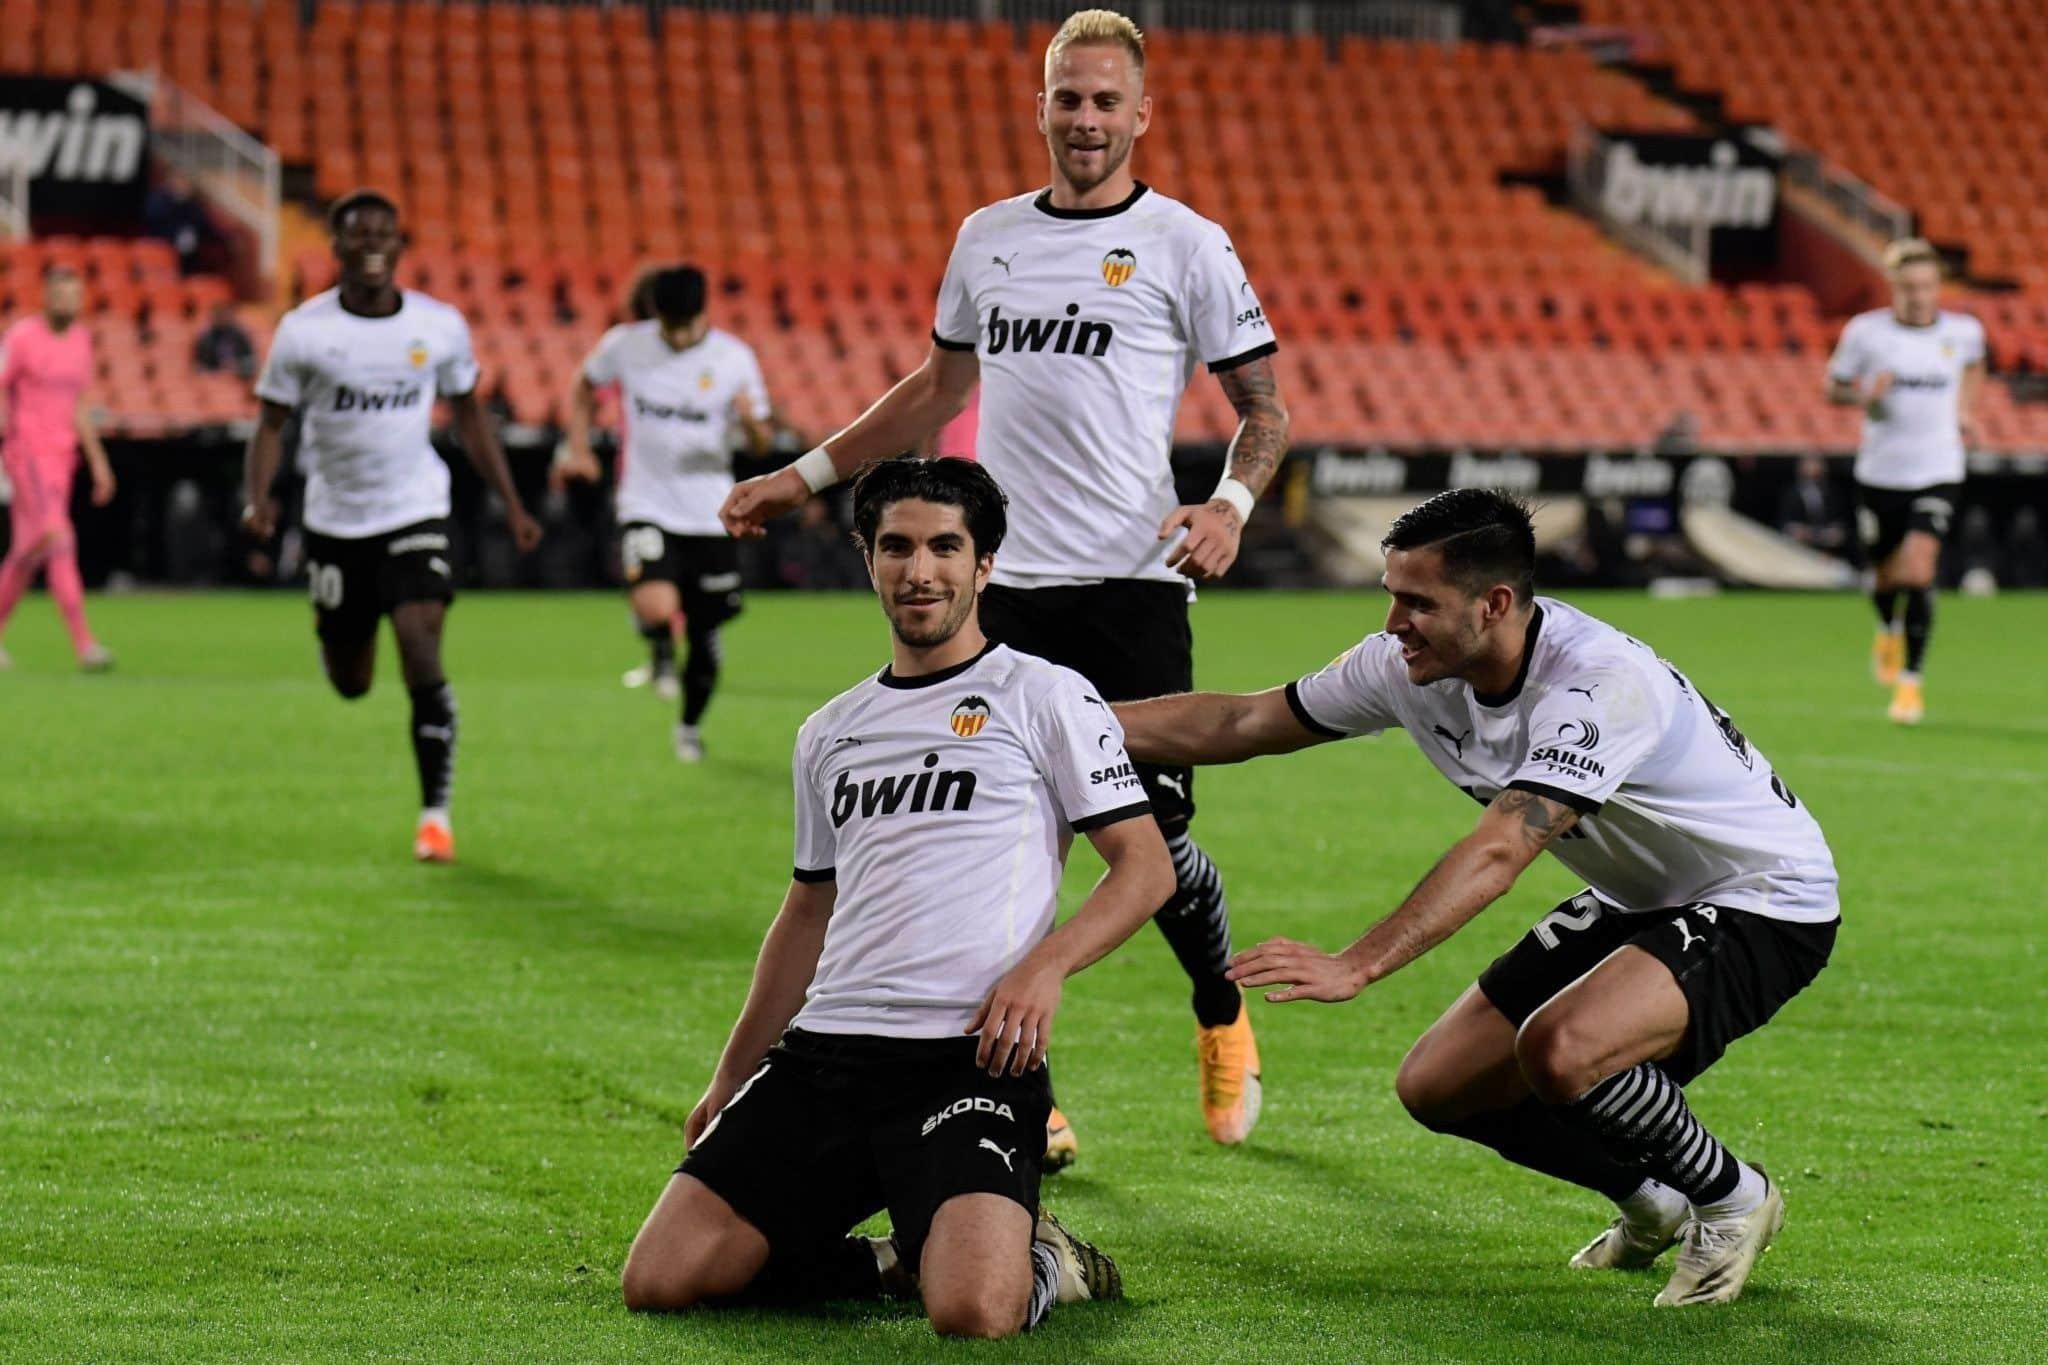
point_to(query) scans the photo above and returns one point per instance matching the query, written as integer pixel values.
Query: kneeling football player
(891, 1052)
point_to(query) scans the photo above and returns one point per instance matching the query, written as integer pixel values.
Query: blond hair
(1910, 251)
(1096, 26)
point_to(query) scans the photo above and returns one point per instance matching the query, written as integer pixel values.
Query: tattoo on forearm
(1542, 819)
(1261, 441)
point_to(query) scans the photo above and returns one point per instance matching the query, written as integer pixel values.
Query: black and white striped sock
(1045, 1284)
(1641, 1116)
(433, 742)
(1196, 923)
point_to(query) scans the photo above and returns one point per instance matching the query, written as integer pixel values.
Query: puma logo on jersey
(1587, 689)
(904, 794)
(1072, 335)
(1001, 1153)
(1456, 741)
(347, 399)
(997, 260)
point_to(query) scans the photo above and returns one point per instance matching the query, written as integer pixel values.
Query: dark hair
(954, 482)
(677, 295)
(349, 203)
(640, 303)
(1483, 534)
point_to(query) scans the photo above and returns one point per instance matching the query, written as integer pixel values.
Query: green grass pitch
(270, 1091)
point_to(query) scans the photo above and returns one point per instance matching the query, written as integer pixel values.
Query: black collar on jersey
(1521, 674)
(1043, 203)
(888, 679)
(340, 303)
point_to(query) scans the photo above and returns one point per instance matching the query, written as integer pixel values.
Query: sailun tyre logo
(1118, 266)
(969, 716)
(1580, 734)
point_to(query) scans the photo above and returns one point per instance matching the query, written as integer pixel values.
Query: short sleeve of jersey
(753, 387)
(601, 367)
(1223, 315)
(458, 371)
(957, 325)
(817, 845)
(1580, 750)
(1850, 359)
(1353, 694)
(1079, 748)
(281, 381)
(1973, 340)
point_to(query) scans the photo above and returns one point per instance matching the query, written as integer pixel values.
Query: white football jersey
(943, 806)
(680, 431)
(1676, 805)
(365, 390)
(1918, 443)
(1089, 324)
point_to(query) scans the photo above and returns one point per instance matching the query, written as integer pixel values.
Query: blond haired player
(1083, 310)
(1915, 371)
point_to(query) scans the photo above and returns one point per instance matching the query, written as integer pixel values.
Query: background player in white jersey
(1712, 899)
(363, 363)
(686, 391)
(1915, 371)
(935, 803)
(1084, 310)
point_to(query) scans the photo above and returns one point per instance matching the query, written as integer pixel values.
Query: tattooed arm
(1254, 457)
(1477, 871)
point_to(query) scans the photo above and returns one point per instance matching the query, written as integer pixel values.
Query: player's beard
(1114, 155)
(932, 636)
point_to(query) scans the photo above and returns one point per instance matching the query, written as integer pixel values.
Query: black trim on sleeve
(1043, 203)
(814, 875)
(1243, 357)
(1112, 817)
(1301, 714)
(943, 344)
(1584, 805)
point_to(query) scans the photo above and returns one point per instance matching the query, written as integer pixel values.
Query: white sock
(437, 814)
(1045, 1284)
(1907, 675)
(1744, 1198)
(1653, 1205)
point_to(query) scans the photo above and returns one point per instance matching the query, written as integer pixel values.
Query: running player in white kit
(1712, 897)
(1083, 310)
(364, 363)
(687, 392)
(891, 1051)
(1915, 370)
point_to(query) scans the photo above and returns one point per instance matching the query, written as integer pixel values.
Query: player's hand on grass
(1303, 972)
(1015, 1022)
(259, 519)
(716, 1096)
(525, 530)
(1210, 548)
(754, 502)
(102, 487)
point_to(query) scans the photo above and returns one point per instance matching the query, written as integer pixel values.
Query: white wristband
(1238, 496)
(816, 469)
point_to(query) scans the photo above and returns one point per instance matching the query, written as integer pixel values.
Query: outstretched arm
(1477, 871)
(1015, 1021)
(1256, 451)
(1195, 728)
(480, 444)
(910, 413)
(782, 973)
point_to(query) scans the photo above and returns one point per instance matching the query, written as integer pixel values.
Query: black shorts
(1735, 968)
(354, 582)
(1885, 515)
(1128, 636)
(835, 1128)
(705, 569)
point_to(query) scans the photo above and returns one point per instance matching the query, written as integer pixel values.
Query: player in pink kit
(45, 365)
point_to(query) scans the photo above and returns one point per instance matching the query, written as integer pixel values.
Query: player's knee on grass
(693, 1248)
(986, 1315)
(975, 1267)
(1425, 1090)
